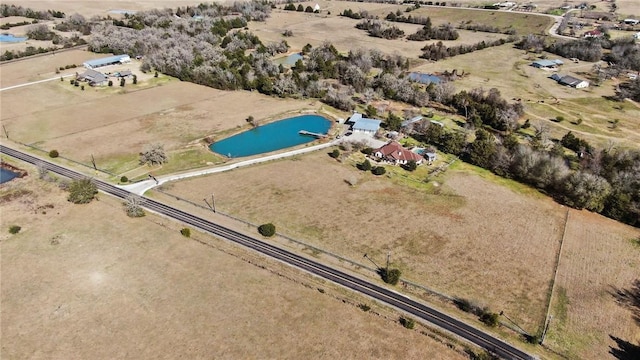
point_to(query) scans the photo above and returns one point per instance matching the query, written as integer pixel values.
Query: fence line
(555, 272)
(66, 158)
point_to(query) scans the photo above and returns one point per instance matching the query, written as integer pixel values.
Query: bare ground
(85, 281)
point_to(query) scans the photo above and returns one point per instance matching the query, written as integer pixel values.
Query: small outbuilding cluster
(569, 80)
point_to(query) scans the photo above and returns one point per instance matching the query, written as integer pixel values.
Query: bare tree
(154, 155)
(133, 206)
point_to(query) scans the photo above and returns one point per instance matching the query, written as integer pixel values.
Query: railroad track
(379, 293)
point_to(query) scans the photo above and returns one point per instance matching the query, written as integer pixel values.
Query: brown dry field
(470, 233)
(115, 124)
(116, 287)
(315, 29)
(598, 258)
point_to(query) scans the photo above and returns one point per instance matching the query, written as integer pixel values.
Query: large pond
(6, 175)
(274, 136)
(8, 38)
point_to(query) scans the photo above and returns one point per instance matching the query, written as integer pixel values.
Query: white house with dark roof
(394, 152)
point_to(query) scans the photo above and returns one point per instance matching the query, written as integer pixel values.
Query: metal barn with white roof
(106, 61)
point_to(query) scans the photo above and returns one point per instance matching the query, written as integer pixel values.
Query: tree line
(7, 10)
(601, 180)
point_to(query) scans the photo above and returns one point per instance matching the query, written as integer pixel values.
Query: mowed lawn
(86, 281)
(469, 237)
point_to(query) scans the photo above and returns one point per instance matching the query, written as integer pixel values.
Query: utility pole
(209, 205)
(6, 133)
(388, 256)
(368, 258)
(514, 323)
(213, 202)
(93, 161)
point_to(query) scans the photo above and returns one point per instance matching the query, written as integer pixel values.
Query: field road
(376, 292)
(35, 82)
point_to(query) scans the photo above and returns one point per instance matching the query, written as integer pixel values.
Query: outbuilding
(547, 64)
(569, 80)
(106, 61)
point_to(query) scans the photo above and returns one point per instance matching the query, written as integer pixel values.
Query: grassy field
(102, 285)
(114, 124)
(598, 259)
(315, 29)
(543, 98)
(454, 238)
(470, 234)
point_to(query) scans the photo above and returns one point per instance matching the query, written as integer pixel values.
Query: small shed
(431, 157)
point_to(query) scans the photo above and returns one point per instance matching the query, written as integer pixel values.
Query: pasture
(543, 98)
(599, 259)
(114, 124)
(102, 285)
(457, 238)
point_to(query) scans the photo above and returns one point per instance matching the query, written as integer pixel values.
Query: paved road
(381, 294)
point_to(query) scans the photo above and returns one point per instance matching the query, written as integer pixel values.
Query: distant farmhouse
(106, 61)
(93, 77)
(568, 80)
(394, 153)
(364, 125)
(547, 64)
(593, 34)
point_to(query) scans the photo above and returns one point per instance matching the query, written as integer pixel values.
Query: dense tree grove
(583, 49)
(487, 107)
(629, 90)
(7, 10)
(439, 51)
(428, 32)
(377, 28)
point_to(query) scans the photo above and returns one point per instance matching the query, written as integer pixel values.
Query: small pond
(8, 38)
(273, 136)
(424, 78)
(7, 175)
(288, 60)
